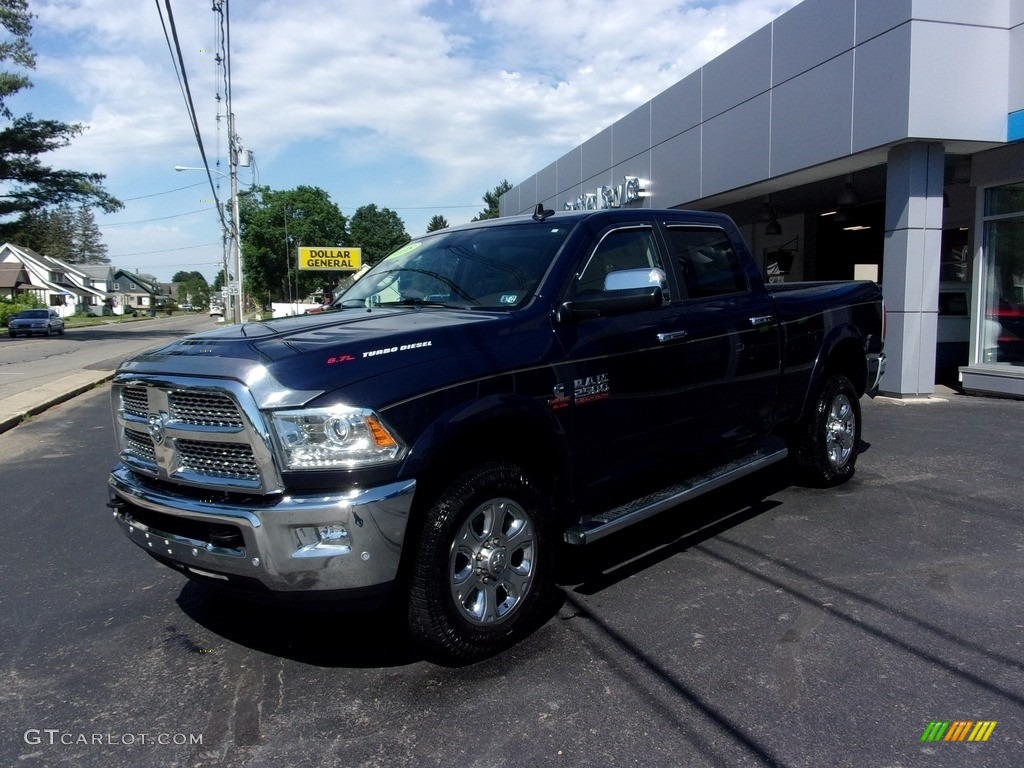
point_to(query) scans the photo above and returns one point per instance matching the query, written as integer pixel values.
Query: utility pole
(235, 219)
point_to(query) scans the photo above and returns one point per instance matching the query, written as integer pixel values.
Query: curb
(14, 410)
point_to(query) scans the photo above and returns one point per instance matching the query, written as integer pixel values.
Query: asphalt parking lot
(766, 624)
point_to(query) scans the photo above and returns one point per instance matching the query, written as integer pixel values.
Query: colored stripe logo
(958, 730)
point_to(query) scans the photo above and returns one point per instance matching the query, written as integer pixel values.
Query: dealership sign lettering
(630, 190)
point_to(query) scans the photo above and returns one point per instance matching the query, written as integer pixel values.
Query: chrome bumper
(323, 542)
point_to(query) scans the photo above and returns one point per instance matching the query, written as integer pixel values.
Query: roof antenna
(540, 212)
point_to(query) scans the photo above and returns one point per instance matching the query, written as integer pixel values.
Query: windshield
(35, 314)
(485, 268)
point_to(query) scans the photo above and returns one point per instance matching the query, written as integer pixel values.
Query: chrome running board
(612, 520)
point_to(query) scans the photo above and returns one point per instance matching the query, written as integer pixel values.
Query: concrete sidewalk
(17, 408)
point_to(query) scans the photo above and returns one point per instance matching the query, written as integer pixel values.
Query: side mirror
(625, 291)
(610, 303)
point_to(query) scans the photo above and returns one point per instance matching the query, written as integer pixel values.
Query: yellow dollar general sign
(330, 258)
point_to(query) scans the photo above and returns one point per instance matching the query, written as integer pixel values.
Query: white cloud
(404, 104)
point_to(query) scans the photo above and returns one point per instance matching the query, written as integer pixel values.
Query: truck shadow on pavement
(323, 636)
(340, 636)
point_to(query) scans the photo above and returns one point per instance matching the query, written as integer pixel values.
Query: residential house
(66, 288)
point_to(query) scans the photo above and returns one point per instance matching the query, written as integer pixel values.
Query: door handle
(761, 320)
(672, 336)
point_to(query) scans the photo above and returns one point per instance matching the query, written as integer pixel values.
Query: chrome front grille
(188, 431)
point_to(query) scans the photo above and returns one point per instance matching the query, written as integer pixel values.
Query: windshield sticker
(407, 248)
(508, 298)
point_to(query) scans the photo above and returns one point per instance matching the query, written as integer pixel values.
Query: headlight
(318, 438)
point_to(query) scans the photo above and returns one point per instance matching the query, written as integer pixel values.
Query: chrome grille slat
(204, 408)
(135, 401)
(140, 445)
(217, 459)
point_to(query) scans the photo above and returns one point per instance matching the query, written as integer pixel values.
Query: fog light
(332, 534)
(322, 541)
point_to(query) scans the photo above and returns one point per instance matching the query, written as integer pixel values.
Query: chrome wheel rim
(492, 562)
(840, 431)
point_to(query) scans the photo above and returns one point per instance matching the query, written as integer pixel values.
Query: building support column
(910, 276)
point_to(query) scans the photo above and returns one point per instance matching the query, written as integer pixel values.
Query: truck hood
(289, 361)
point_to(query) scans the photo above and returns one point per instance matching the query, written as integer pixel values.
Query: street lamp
(238, 308)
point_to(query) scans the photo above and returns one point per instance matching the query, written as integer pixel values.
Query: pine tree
(28, 185)
(89, 245)
(436, 223)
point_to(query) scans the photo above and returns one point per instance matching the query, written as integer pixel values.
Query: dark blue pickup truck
(482, 398)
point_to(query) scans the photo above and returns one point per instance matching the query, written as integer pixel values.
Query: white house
(64, 287)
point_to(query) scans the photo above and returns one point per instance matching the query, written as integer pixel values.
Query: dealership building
(876, 139)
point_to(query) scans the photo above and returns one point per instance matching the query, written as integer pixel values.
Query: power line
(179, 68)
(165, 250)
(157, 194)
(159, 218)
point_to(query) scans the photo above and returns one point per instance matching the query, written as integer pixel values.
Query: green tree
(27, 184)
(436, 223)
(192, 287)
(89, 247)
(274, 224)
(492, 200)
(377, 232)
(65, 234)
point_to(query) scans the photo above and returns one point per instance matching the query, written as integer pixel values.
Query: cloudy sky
(416, 106)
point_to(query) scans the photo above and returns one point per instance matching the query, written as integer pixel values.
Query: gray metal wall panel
(881, 90)
(739, 74)
(631, 135)
(959, 77)
(809, 34)
(736, 147)
(676, 110)
(570, 172)
(547, 187)
(875, 17)
(1016, 76)
(994, 13)
(811, 117)
(597, 153)
(675, 170)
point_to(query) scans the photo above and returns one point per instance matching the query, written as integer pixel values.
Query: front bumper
(329, 542)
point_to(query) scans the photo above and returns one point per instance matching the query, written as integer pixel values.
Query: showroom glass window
(1003, 318)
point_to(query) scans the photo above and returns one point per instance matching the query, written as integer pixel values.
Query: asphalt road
(36, 372)
(765, 625)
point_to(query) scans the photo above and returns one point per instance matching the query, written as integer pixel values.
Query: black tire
(49, 330)
(483, 566)
(826, 454)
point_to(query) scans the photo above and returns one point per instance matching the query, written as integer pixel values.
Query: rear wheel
(482, 567)
(830, 442)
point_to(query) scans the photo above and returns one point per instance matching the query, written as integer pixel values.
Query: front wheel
(830, 441)
(483, 564)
